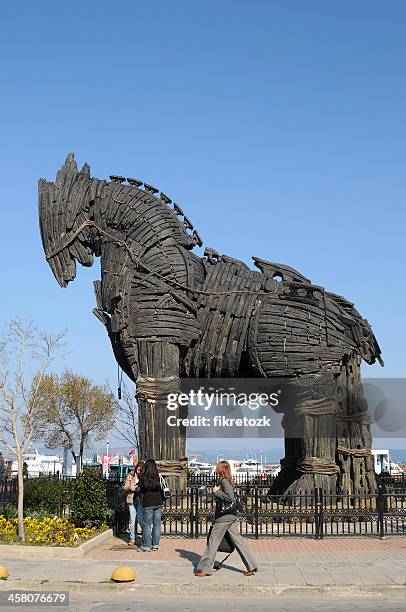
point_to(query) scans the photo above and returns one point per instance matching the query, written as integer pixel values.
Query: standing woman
(130, 486)
(151, 500)
(137, 498)
(224, 521)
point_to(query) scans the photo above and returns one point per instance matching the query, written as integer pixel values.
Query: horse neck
(131, 215)
(141, 236)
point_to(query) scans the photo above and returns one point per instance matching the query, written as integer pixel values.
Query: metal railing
(8, 492)
(190, 513)
(243, 478)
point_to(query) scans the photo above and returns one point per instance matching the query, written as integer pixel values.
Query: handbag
(165, 490)
(223, 508)
(226, 546)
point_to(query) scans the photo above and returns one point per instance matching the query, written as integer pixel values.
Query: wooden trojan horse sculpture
(172, 314)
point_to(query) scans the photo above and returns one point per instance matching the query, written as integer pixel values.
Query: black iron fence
(394, 482)
(8, 492)
(190, 513)
(241, 479)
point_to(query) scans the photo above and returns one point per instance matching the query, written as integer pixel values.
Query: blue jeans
(133, 516)
(140, 511)
(152, 517)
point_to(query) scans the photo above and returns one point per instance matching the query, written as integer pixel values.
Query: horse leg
(293, 454)
(353, 434)
(158, 375)
(310, 439)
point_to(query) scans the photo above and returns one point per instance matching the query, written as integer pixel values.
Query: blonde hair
(223, 469)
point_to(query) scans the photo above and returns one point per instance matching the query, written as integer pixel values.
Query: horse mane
(132, 193)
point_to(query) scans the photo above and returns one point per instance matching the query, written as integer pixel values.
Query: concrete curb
(16, 551)
(203, 589)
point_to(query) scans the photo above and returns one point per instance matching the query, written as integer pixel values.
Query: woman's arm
(130, 483)
(226, 492)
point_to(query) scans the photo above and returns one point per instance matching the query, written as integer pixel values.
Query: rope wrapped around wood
(354, 452)
(362, 418)
(317, 407)
(315, 465)
(172, 467)
(155, 389)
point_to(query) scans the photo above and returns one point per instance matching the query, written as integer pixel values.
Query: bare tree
(26, 354)
(74, 411)
(126, 423)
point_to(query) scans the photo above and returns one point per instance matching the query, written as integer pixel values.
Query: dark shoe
(200, 574)
(250, 572)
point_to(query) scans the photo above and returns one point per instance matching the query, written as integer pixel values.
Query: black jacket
(150, 497)
(226, 510)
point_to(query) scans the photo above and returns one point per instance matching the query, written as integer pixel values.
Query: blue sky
(278, 125)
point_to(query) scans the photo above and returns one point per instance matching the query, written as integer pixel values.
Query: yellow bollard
(3, 572)
(123, 573)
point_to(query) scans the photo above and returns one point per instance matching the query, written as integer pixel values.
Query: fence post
(194, 511)
(321, 514)
(318, 513)
(256, 514)
(189, 503)
(197, 518)
(381, 508)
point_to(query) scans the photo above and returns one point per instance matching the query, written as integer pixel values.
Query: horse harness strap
(89, 223)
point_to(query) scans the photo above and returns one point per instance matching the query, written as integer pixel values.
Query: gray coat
(226, 494)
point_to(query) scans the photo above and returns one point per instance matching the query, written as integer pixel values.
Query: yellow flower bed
(47, 531)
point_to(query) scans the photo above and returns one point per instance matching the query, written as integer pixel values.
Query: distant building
(38, 463)
(383, 463)
(118, 467)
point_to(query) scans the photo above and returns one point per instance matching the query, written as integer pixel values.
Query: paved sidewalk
(282, 549)
(286, 566)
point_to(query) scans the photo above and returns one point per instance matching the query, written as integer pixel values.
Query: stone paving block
(317, 575)
(266, 576)
(375, 575)
(398, 578)
(289, 574)
(173, 588)
(343, 574)
(210, 589)
(155, 575)
(395, 572)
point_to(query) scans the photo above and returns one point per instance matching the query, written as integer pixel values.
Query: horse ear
(67, 171)
(70, 163)
(85, 170)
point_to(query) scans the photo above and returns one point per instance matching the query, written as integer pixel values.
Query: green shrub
(45, 494)
(88, 504)
(40, 515)
(8, 511)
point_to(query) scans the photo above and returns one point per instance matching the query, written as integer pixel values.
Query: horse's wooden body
(171, 314)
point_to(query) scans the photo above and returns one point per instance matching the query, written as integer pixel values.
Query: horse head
(66, 219)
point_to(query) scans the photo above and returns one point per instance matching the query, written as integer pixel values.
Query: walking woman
(225, 519)
(151, 500)
(130, 486)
